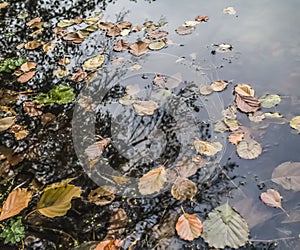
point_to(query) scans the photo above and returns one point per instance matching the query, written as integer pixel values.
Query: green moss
(10, 64)
(13, 233)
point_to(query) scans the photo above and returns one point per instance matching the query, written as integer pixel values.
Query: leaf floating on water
(271, 198)
(189, 227)
(157, 45)
(236, 137)
(184, 30)
(225, 227)
(244, 90)
(247, 104)
(224, 47)
(6, 123)
(96, 149)
(201, 18)
(184, 189)
(269, 101)
(117, 224)
(33, 44)
(102, 196)
(139, 48)
(145, 107)
(206, 90)
(219, 85)
(16, 201)
(287, 175)
(207, 148)
(257, 116)
(186, 167)
(57, 201)
(249, 149)
(121, 45)
(93, 63)
(295, 123)
(153, 181)
(127, 100)
(229, 10)
(190, 23)
(132, 89)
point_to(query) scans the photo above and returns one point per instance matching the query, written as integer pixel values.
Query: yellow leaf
(57, 201)
(3, 5)
(295, 123)
(93, 63)
(16, 201)
(33, 44)
(207, 148)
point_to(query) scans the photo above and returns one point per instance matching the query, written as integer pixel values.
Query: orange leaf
(188, 226)
(26, 76)
(138, 48)
(109, 245)
(16, 201)
(236, 137)
(25, 67)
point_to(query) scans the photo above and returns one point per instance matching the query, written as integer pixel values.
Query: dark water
(266, 54)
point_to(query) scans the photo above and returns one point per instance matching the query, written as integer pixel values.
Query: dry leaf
(33, 21)
(207, 148)
(244, 90)
(26, 76)
(109, 245)
(102, 196)
(153, 181)
(206, 90)
(159, 80)
(32, 108)
(19, 132)
(158, 34)
(188, 227)
(79, 76)
(16, 201)
(229, 10)
(93, 63)
(96, 149)
(3, 5)
(184, 189)
(271, 198)
(6, 123)
(184, 30)
(25, 67)
(236, 137)
(145, 107)
(295, 123)
(247, 103)
(48, 47)
(139, 48)
(33, 44)
(218, 85)
(249, 149)
(117, 224)
(113, 31)
(121, 45)
(201, 18)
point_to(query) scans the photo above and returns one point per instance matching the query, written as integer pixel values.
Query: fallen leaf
(247, 104)
(230, 112)
(113, 31)
(207, 148)
(124, 25)
(183, 189)
(223, 47)
(93, 63)
(132, 89)
(61, 72)
(32, 108)
(73, 36)
(127, 100)
(232, 124)
(257, 116)
(135, 67)
(125, 32)
(145, 107)
(102, 196)
(117, 224)
(33, 21)
(96, 149)
(186, 167)
(184, 30)
(79, 76)
(218, 85)
(244, 89)
(287, 175)
(49, 47)
(206, 90)
(6, 123)
(121, 45)
(3, 5)
(249, 149)
(271, 198)
(64, 61)
(153, 181)
(159, 80)
(105, 25)
(225, 227)
(236, 137)
(157, 45)
(229, 10)
(33, 44)
(189, 227)
(16, 201)
(269, 101)
(57, 201)
(190, 23)
(220, 127)
(19, 132)
(26, 76)
(158, 34)
(27, 66)
(139, 48)
(46, 118)
(201, 18)
(295, 123)
(65, 23)
(109, 245)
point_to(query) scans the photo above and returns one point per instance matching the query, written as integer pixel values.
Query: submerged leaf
(249, 149)
(16, 201)
(96, 149)
(269, 101)
(145, 107)
(153, 181)
(287, 175)
(225, 227)
(184, 189)
(189, 227)
(207, 148)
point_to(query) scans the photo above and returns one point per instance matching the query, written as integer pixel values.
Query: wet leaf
(64, 61)
(33, 44)
(159, 80)
(158, 34)
(93, 63)
(34, 21)
(117, 224)
(186, 167)
(46, 118)
(247, 104)
(244, 90)
(27, 66)
(184, 30)
(229, 10)
(16, 201)
(3, 5)
(153, 181)
(57, 201)
(223, 47)
(236, 137)
(295, 123)
(121, 45)
(271, 198)
(79, 76)
(135, 67)
(157, 45)
(232, 124)
(145, 107)
(249, 149)
(269, 101)
(61, 72)
(189, 227)
(32, 108)
(102, 196)
(218, 85)
(183, 189)
(74, 37)
(49, 47)
(127, 100)
(19, 132)
(287, 175)
(207, 148)
(6, 123)
(201, 18)
(139, 48)
(225, 227)
(113, 31)
(206, 90)
(109, 245)
(190, 23)
(220, 126)
(96, 149)
(26, 76)
(257, 116)
(132, 89)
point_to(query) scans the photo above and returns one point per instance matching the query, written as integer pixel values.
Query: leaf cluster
(10, 64)
(13, 233)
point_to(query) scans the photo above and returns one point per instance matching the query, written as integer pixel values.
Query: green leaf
(269, 101)
(225, 227)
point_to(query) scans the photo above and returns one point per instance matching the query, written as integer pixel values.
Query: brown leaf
(74, 37)
(139, 48)
(153, 181)
(271, 198)
(145, 107)
(159, 80)
(184, 189)
(102, 196)
(218, 85)
(187, 168)
(6, 123)
(205, 90)
(105, 25)
(19, 132)
(48, 47)
(118, 222)
(114, 31)
(96, 149)
(25, 67)
(247, 103)
(109, 245)
(249, 149)
(33, 21)
(124, 25)
(158, 34)
(236, 137)
(64, 61)
(16, 201)
(207, 148)
(26, 76)
(121, 45)
(33, 44)
(183, 30)
(79, 76)
(188, 227)
(244, 90)
(201, 18)
(32, 108)
(48, 117)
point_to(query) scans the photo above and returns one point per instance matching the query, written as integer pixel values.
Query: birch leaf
(249, 149)
(271, 198)
(139, 48)
(184, 189)
(93, 63)
(96, 149)
(189, 227)
(207, 148)
(218, 85)
(269, 101)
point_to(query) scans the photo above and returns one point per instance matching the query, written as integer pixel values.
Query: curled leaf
(102, 196)
(218, 85)
(189, 226)
(247, 103)
(244, 90)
